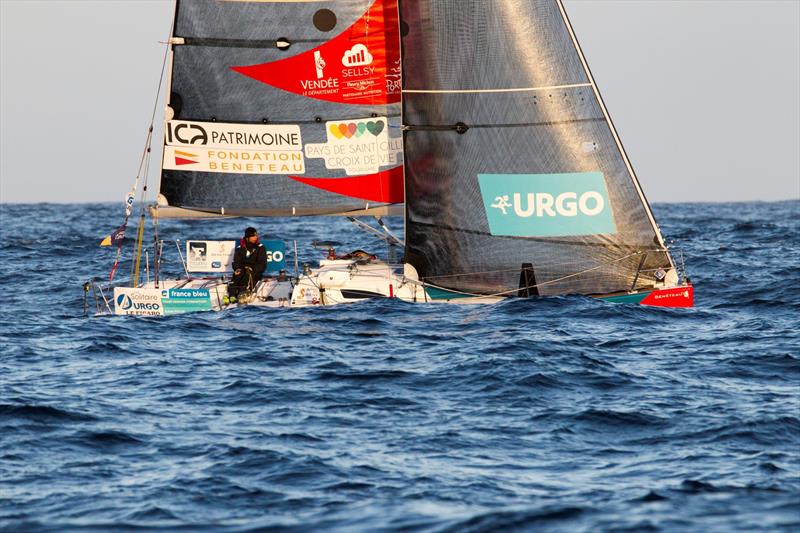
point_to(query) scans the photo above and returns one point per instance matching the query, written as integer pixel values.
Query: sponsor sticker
(233, 148)
(158, 302)
(131, 301)
(210, 256)
(217, 256)
(547, 205)
(276, 256)
(357, 146)
(677, 297)
(177, 301)
(359, 66)
(309, 295)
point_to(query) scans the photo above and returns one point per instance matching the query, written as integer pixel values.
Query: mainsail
(516, 182)
(283, 108)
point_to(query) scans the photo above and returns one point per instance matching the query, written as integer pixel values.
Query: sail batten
(495, 89)
(243, 43)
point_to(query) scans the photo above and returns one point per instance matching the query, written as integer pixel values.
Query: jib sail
(516, 182)
(283, 108)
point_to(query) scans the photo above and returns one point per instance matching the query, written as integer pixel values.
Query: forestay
(514, 174)
(283, 108)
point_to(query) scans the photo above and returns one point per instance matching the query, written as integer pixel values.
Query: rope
(539, 266)
(504, 293)
(493, 295)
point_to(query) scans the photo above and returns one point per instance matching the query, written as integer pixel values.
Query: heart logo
(361, 128)
(375, 128)
(345, 130)
(334, 129)
(352, 128)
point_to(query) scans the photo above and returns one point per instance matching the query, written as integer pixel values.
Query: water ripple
(557, 414)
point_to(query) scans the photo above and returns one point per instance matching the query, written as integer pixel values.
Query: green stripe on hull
(435, 293)
(441, 294)
(626, 298)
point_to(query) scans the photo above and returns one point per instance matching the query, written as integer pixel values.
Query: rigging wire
(423, 284)
(144, 166)
(543, 283)
(541, 265)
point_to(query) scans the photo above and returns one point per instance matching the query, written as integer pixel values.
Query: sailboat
(477, 120)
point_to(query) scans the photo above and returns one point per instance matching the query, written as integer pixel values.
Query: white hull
(334, 282)
(347, 281)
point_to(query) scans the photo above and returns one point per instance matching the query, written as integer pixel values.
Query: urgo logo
(566, 204)
(274, 256)
(547, 205)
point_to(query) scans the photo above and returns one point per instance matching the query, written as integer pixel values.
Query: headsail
(514, 172)
(267, 97)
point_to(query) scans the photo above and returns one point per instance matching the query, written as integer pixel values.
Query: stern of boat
(680, 296)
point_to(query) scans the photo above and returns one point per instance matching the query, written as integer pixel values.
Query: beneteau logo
(183, 158)
(546, 205)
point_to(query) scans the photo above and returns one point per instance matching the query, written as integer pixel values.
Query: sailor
(249, 262)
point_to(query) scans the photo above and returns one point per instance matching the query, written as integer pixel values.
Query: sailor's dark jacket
(254, 257)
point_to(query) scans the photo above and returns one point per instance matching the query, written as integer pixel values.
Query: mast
(168, 113)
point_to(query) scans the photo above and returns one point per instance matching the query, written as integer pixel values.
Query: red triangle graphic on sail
(360, 66)
(182, 161)
(383, 187)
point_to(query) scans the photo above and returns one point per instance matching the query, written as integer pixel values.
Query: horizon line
(151, 201)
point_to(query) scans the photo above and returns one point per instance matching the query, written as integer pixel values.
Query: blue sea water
(558, 414)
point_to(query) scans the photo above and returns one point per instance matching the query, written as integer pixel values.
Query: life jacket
(247, 250)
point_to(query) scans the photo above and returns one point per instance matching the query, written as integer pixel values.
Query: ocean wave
(562, 414)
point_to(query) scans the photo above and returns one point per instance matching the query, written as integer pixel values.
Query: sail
(283, 108)
(516, 182)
